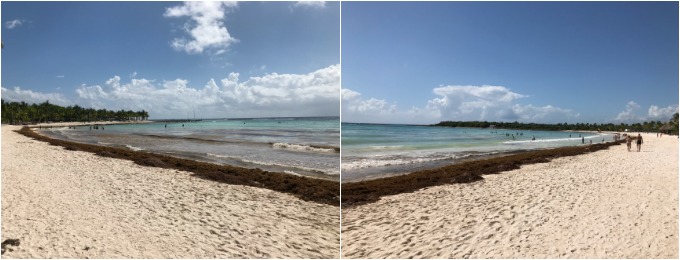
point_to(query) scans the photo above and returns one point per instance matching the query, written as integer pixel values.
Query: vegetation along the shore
(670, 127)
(24, 113)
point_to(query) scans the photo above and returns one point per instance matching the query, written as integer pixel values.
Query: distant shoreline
(236, 118)
(62, 124)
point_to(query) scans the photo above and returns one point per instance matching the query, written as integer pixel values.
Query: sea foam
(302, 147)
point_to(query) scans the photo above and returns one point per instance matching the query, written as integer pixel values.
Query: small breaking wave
(301, 168)
(305, 148)
(574, 139)
(389, 161)
(369, 163)
(292, 173)
(133, 148)
(222, 156)
(386, 147)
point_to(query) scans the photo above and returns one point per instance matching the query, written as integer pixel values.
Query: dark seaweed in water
(309, 189)
(357, 193)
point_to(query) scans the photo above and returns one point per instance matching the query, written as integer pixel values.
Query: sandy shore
(72, 204)
(606, 204)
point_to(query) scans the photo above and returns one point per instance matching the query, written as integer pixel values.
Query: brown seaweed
(358, 193)
(305, 188)
(326, 191)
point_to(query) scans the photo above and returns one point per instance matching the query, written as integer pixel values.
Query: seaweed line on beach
(364, 192)
(308, 189)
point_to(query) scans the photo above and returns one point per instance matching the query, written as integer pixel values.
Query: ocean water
(303, 146)
(376, 150)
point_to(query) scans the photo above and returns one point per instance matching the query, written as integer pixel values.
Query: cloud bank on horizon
(478, 103)
(654, 112)
(271, 95)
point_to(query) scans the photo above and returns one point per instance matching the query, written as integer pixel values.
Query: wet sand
(605, 204)
(74, 204)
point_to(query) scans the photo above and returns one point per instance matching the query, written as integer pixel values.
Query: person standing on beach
(583, 140)
(628, 141)
(639, 142)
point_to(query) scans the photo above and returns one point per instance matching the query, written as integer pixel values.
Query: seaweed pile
(309, 189)
(358, 193)
(326, 191)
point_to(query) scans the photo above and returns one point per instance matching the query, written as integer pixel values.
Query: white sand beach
(607, 204)
(72, 204)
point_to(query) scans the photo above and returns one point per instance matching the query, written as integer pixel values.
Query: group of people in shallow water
(513, 135)
(629, 138)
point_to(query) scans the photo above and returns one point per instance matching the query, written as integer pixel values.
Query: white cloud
(17, 94)
(357, 109)
(629, 114)
(662, 114)
(13, 24)
(360, 110)
(348, 94)
(653, 113)
(457, 103)
(313, 94)
(60, 76)
(549, 114)
(473, 102)
(310, 4)
(206, 28)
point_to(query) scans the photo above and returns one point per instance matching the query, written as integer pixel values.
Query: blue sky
(225, 59)
(414, 62)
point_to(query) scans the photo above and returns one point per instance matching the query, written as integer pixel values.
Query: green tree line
(24, 113)
(651, 126)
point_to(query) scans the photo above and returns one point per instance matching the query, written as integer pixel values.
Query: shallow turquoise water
(303, 146)
(374, 149)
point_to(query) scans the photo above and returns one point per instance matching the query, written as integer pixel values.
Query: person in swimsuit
(639, 142)
(628, 141)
